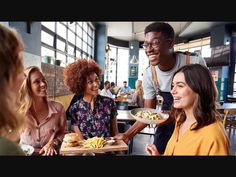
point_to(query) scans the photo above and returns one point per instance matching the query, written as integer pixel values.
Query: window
(67, 40)
(143, 63)
(71, 37)
(47, 38)
(123, 66)
(61, 30)
(49, 25)
(71, 50)
(61, 45)
(47, 52)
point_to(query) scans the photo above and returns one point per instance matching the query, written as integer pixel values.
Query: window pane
(85, 36)
(85, 26)
(78, 54)
(70, 50)
(71, 26)
(70, 60)
(61, 57)
(206, 51)
(89, 41)
(61, 30)
(234, 86)
(80, 24)
(122, 66)
(64, 23)
(143, 63)
(47, 38)
(71, 37)
(61, 45)
(46, 52)
(78, 42)
(79, 31)
(84, 56)
(194, 49)
(84, 47)
(49, 25)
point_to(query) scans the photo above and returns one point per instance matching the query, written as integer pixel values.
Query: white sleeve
(148, 87)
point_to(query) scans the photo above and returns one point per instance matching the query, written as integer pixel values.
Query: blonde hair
(139, 87)
(26, 94)
(11, 48)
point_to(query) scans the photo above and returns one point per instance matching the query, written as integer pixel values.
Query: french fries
(95, 142)
(148, 114)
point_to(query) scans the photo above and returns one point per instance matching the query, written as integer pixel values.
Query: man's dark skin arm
(137, 126)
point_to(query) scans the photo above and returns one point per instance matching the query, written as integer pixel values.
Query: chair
(229, 120)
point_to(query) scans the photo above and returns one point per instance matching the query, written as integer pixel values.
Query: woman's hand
(48, 149)
(151, 150)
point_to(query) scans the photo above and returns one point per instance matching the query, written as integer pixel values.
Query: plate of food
(149, 115)
(28, 150)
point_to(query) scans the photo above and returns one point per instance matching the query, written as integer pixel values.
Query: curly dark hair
(77, 72)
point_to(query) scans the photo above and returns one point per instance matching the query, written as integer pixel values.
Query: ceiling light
(134, 60)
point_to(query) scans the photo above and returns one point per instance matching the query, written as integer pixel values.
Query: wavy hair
(76, 74)
(11, 49)
(199, 79)
(26, 94)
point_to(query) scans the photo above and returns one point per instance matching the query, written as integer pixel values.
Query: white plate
(28, 150)
(110, 142)
(147, 120)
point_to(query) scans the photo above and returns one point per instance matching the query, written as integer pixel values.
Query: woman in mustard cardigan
(199, 129)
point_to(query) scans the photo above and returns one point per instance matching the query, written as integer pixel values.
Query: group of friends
(28, 116)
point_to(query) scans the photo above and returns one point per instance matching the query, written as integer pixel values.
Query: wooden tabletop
(119, 145)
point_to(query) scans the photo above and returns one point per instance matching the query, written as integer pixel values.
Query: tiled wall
(55, 78)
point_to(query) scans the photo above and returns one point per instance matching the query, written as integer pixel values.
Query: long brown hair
(11, 49)
(199, 79)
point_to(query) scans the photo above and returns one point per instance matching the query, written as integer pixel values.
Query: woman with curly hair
(46, 119)
(92, 114)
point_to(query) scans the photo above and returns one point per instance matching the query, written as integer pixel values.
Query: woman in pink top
(199, 129)
(46, 119)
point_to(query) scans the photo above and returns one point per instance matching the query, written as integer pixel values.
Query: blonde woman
(137, 96)
(11, 77)
(46, 119)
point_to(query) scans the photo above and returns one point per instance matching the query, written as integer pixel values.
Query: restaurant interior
(117, 48)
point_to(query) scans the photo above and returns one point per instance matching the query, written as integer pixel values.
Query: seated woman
(46, 119)
(199, 129)
(137, 96)
(92, 114)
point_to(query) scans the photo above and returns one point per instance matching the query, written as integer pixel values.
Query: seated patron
(45, 119)
(92, 114)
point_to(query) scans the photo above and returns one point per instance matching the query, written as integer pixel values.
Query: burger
(71, 139)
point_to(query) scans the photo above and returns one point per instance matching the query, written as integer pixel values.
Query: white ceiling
(134, 30)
